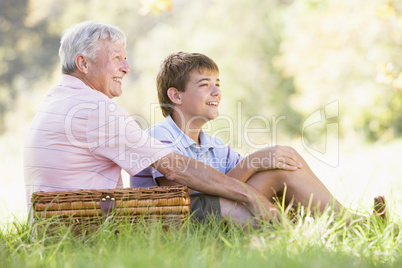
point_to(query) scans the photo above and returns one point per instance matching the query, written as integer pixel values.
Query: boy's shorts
(203, 205)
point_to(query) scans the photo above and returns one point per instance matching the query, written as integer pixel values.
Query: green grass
(325, 241)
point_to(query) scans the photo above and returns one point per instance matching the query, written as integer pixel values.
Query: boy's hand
(275, 157)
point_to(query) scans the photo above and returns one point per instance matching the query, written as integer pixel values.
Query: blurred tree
(388, 123)
(277, 57)
(30, 38)
(334, 50)
(155, 6)
(254, 40)
(25, 53)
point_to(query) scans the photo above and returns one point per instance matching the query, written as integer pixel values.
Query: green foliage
(341, 51)
(24, 53)
(387, 124)
(325, 241)
(281, 58)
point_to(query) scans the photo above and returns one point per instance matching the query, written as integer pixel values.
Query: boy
(189, 95)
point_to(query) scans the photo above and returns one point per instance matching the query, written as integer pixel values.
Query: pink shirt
(81, 139)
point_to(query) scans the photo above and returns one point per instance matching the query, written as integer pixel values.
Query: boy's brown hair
(175, 71)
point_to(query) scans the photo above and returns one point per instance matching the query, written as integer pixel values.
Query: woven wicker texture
(171, 201)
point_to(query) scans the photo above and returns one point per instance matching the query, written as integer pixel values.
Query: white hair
(83, 38)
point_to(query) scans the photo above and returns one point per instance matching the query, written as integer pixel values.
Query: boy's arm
(275, 157)
(200, 177)
(241, 171)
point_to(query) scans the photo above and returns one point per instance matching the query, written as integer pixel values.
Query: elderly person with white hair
(81, 138)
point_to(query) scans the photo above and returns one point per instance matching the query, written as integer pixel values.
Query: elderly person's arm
(200, 177)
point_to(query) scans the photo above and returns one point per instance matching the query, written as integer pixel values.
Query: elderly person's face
(106, 71)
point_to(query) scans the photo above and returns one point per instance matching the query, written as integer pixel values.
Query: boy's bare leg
(308, 169)
(236, 212)
(239, 213)
(300, 186)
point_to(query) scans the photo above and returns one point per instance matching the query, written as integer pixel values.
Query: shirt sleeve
(232, 159)
(113, 135)
(166, 137)
(143, 179)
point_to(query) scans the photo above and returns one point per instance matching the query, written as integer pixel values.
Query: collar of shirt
(72, 82)
(205, 139)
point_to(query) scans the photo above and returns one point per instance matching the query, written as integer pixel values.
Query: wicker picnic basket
(92, 207)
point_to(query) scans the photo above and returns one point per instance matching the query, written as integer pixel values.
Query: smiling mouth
(117, 79)
(213, 103)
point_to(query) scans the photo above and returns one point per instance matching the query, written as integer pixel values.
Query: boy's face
(201, 96)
